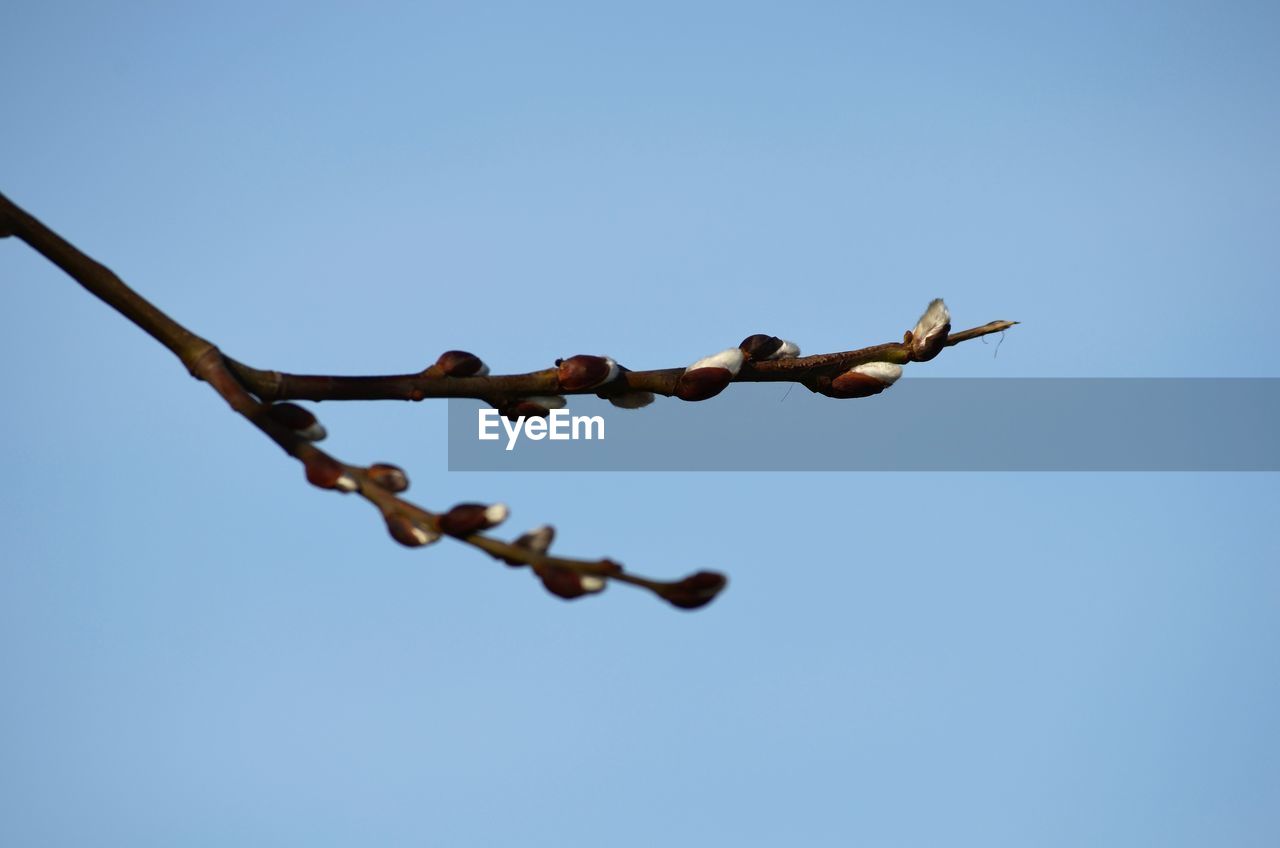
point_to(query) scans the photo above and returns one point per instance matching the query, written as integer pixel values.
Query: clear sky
(197, 649)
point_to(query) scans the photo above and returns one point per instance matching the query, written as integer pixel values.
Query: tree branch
(805, 370)
(256, 394)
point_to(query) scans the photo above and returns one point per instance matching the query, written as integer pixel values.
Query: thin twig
(806, 370)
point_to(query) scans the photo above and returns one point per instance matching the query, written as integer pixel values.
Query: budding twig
(809, 371)
(258, 396)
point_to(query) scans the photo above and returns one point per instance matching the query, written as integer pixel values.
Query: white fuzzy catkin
(314, 432)
(935, 316)
(538, 539)
(730, 360)
(786, 350)
(885, 372)
(613, 370)
(421, 535)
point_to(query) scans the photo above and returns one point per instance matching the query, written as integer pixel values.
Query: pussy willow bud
(930, 333)
(465, 519)
(567, 584)
(390, 477)
(298, 419)
(538, 540)
(327, 473)
(460, 363)
(702, 383)
(537, 406)
(408, 532)
(761, 347)
(631, 399)
(708, 376)
(694, 591)
(585, 372)
(870, 378)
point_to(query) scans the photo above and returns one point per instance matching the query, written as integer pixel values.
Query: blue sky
(199, 649)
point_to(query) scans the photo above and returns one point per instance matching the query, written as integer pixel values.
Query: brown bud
(298, 419)
(760, 346)
(327, 473)
(702, 383)
(585, 372)
(567, 584)
(408, 532)
(460, 363)
(853, 385)
(465, 519)
(694, 591)
(389, 477)
(869, 378)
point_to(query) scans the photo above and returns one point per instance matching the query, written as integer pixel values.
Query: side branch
(428, 383)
